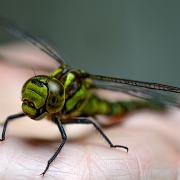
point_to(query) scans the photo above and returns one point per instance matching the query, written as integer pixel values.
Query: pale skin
(153, 139)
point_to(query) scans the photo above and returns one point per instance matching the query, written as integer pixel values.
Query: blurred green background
(125, 38)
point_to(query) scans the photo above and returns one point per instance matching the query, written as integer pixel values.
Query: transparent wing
(22, 34)
(161, 93)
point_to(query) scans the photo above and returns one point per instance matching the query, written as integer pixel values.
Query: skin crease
(153, 138)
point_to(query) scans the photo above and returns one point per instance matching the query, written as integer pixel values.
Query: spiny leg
(10, 118)
(98, 128)
(64, 138)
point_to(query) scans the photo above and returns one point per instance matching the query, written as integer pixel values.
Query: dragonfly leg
(10, 118)
(64, 138)
(98, 128)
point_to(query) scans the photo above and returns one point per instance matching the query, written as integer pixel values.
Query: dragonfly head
(41, 95)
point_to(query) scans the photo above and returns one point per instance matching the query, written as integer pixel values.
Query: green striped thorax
(41, 95)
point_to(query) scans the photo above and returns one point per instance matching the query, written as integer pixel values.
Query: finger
(22, 53)
(91, 161)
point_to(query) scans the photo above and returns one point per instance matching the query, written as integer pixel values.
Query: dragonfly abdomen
(98, 106)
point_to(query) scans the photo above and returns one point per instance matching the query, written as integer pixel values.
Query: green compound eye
(56, 96)
(54, 100)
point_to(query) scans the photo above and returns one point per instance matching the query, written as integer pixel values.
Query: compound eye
(54, 100)
(56, 97)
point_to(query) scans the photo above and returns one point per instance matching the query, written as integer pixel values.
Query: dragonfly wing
(139, 89)
(36, 41)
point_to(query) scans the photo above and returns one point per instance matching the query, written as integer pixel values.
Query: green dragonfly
(68, 95)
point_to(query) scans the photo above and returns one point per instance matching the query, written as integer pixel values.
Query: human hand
(153, 138)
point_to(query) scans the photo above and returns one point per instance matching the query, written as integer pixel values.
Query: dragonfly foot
(47, 167)
(2, 139)
(119, 146)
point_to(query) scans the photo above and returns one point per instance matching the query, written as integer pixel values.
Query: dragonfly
(68, 95)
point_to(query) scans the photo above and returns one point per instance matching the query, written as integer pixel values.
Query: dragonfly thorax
(42, 95)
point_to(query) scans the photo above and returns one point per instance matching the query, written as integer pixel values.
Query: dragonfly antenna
(33, 71)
